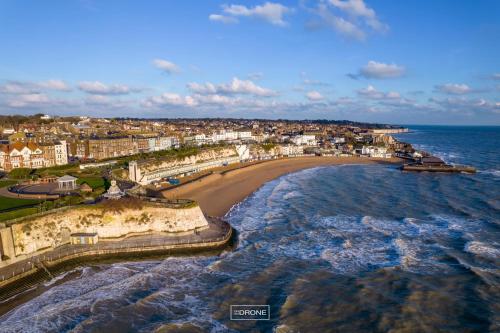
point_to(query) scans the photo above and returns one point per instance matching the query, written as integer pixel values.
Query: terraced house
(21, 155)
(32, 155)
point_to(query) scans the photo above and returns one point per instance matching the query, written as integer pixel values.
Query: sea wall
(49, 231)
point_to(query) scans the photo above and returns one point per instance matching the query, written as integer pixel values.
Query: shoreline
(217, 193)
(22, 287)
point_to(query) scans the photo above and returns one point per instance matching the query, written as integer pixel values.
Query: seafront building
(32, 155)
(148, 171)
(46, 142)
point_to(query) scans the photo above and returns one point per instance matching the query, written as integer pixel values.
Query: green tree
(20, 173)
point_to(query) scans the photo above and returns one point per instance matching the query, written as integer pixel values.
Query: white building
(225, 135)
(164, 143)
(260, 137)
(61, 151)
(375, 152)
(416, 154)
(244, 134)
(200, 138)
(306, 140)
(8, 131)
(291, 150)
(231, 135)
(197, 139)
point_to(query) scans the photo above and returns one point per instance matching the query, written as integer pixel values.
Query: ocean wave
(171, 287)
(292, 194)
(60, 277)
(274, 233)
(489, 251)
(494, 172)
(447, 156)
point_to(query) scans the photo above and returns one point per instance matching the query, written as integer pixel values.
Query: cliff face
(258, 151)
(53, 230)
(205, 155)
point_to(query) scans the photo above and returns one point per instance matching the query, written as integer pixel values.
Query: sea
(355, 248)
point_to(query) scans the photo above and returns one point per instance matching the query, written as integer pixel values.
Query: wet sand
(217, 193)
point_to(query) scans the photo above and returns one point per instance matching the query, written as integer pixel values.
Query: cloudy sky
(407, 62)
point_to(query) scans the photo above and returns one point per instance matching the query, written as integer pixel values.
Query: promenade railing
(144, 243)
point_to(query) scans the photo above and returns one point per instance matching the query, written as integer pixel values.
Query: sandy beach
(217, 193)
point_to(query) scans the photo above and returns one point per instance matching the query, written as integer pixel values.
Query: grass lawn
(18, 213)
(57, 171)
(5, 183)
(94, 182)
(10, 203)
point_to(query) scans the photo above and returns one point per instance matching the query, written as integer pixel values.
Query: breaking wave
(362, 232)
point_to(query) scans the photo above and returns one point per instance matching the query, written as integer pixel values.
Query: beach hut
(80, 238)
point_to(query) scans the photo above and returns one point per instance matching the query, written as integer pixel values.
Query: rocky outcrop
(52, 230)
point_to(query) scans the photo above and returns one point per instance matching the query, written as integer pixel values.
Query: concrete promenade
(216, 235)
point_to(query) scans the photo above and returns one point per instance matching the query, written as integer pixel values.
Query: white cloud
(372, 93)
(379, 70)
(216, 99)
(16, 88)
(357, 8)
(222, 18)
(271, 12)
(27, 87)
(496, 76)
(166, 66)
(351, 18)
(107, 102)
(465, 105)
(314, 96)
(27, 100)
(317, 83)
(236, 86)
(255, 76)
(392, 95)
(99, 88)
(54, 85)
(97, 99)
(454, 88)
(170, 99)
(340, 24)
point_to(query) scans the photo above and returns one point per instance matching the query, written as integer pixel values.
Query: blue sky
(409, 62)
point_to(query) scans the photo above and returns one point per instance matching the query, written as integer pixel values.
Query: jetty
(435, 164)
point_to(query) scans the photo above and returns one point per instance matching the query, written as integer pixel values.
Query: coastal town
(41, 141)
(78, 187)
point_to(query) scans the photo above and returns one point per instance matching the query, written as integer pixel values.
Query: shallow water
(341, 248)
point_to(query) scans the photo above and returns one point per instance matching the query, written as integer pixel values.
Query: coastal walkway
(4, 192)
(25, 274)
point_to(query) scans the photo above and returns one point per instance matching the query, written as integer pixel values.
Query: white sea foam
(59, 277)
(292, 194)
(493, 172)
(171, 284)
(447, 156)
(489, 251)
(268, 233)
